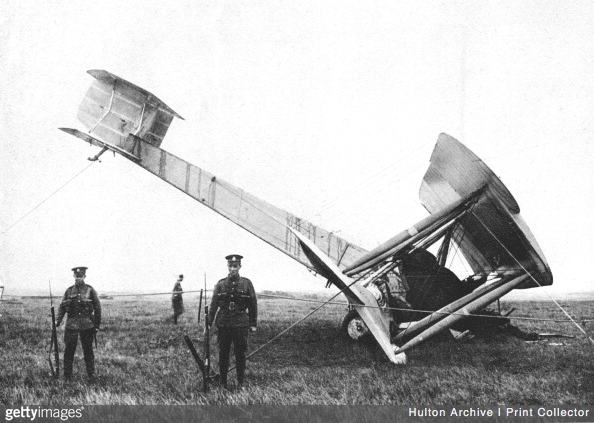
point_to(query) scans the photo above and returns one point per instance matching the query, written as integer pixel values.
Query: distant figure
(82, 305)
(232, 297)
(177, 301)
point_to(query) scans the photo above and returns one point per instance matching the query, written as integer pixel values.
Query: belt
(233, 306)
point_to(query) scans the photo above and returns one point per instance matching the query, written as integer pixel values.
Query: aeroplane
(399, 292)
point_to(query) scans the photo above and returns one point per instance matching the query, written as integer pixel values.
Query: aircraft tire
(354, 327)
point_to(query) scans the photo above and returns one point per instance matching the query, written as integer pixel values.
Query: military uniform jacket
(234, 303)
(177, 291)
(177, 299)
(82, 305)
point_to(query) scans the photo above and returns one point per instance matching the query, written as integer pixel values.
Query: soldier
(232, 297)
(81, 302)
(177, 300)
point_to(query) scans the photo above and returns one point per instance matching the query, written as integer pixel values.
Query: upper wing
(493, 234)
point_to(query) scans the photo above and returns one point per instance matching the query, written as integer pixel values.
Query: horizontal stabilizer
(94, 141)
(364, 301)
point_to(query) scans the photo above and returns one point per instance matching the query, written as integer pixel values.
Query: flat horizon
(585, 295)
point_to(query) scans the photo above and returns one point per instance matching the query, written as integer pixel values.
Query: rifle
(206, 342)
(54, 340)
(195, 355)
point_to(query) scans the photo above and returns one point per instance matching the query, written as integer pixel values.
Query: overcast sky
(327, 109)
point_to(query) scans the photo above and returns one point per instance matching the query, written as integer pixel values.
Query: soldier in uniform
(177, 300)
(82, 305)
(235, 306)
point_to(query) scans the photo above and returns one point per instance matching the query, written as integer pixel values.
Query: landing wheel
(354, 327)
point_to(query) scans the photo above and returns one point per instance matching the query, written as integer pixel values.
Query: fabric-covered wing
(492, 235)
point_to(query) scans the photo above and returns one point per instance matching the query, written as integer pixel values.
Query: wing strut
(462, 312)
(421, 325)
(420, 230)
(372, 316)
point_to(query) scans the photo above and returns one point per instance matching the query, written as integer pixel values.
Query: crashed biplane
(399, 292)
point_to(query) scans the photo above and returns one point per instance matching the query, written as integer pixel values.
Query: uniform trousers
(86, 340)
(178, 308)
(239, 338)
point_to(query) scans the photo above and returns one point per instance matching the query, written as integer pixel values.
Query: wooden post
(206, 349)
(200, 307)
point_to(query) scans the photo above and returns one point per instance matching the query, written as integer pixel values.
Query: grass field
(142, 359)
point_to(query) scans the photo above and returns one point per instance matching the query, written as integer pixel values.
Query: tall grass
(142, 359)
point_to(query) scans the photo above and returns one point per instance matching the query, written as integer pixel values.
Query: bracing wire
(300, 320)
(343, 304)
(325, 302)
(456, 253)
(535, 281)
(44, 200)
(420, 311)
(339, 197)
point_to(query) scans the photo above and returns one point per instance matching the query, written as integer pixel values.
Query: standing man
(235, 300)
(177, 300)
(82, 305)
